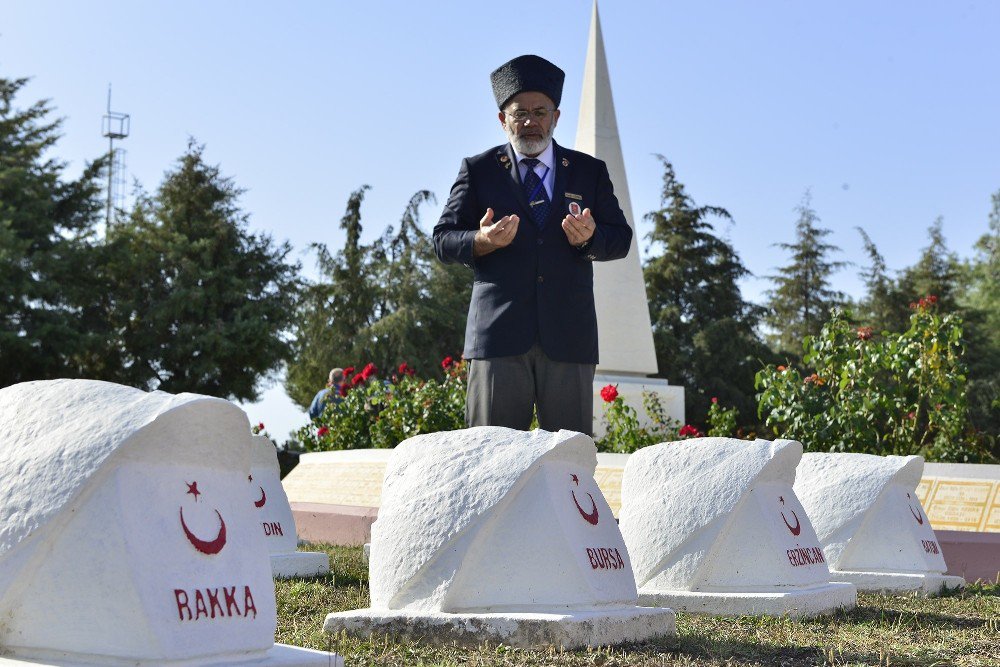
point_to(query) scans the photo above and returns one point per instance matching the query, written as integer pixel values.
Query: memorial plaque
(959, 504)
(610, 480)
(924, 490)
(337, 478)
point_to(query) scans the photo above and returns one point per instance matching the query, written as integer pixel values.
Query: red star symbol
(193, 490)
(576, 480)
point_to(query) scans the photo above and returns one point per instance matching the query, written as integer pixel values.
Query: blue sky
(886, 111)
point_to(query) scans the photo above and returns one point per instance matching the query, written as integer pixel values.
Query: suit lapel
(562, 165)
(508, 161)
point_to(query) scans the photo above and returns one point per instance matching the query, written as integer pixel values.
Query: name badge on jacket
(574, 203)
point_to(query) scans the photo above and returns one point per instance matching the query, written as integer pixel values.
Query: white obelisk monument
(627, 356)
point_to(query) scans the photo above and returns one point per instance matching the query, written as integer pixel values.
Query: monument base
(299, 564)
(803, 602)
(926, 583)
(565, 628)
(631, 388)
(280, 655)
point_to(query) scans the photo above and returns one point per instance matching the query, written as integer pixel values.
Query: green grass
(962, 628)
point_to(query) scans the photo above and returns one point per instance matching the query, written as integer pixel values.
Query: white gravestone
(126, 534)
(274, 516)
(713, 526)
(873, 529)
(494, 534)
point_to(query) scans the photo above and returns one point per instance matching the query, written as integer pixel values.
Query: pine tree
(883, 307)
(201, 304)
(332, 310)
(417, 322)
(703, 329)
(802, 298)
(385, 303)
(47, 226)
(979, 299)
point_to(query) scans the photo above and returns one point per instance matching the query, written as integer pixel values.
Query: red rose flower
(689, 430)
(368, 371)
(357, 379)
(715, 400)
(348, 371)
(344, 388)
(447, 362)
(322, 431)
(404, 369)
(261, 426)
(609, 393)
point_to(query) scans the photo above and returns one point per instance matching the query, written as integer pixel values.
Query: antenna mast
(115, 126)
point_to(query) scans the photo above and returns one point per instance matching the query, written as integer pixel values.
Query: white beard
(526, 146)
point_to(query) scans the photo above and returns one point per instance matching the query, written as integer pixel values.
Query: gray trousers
(503, 391)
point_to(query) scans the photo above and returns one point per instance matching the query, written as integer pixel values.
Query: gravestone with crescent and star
(127, 533)
(495, 534)
(274, 516)
(714, 526)
(873, 529)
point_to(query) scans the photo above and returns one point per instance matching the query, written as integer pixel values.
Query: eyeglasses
(521, 115)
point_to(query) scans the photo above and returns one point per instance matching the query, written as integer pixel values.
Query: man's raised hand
(579, 228)
(494, 235)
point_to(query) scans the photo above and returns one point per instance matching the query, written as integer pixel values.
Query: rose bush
(722, 421)
(376, 413)
(623, 433)
(891, 393)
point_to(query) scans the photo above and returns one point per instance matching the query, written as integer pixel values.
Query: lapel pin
(574, 208)
(570, 195)
(565, 162)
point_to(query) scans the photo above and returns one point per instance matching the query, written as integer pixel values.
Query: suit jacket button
(541, 279)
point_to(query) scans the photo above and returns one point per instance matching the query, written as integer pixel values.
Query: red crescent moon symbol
(916, 515)
(798, 526)
(263, 499)
(591, 518)
(210, 548)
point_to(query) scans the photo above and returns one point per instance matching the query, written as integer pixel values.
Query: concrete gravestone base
(873, 529)
(274, 515)
(569, 629)
(803, 602)
(127, 535)
(278, 656)
(492, 533)
(714, 526)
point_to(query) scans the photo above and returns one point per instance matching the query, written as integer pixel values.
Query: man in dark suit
(530, 217)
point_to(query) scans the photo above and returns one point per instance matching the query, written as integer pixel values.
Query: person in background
(329, 395)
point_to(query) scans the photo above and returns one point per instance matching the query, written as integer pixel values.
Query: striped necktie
(538, 199)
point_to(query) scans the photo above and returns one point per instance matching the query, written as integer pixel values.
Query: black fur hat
(527, 73)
